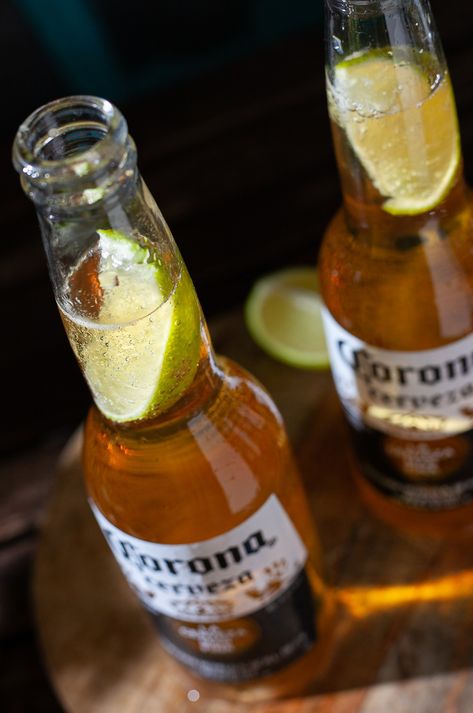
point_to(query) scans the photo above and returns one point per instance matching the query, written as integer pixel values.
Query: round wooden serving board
(403, 638)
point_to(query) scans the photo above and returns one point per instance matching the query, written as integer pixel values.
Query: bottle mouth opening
(69, 139)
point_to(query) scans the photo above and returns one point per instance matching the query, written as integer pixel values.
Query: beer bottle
(186, 460)
(397, 261)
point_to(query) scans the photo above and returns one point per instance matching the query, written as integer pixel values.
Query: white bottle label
(425, 394)
(218, 579)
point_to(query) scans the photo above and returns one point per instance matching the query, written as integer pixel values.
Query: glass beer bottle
(397, 262)
(186, 460)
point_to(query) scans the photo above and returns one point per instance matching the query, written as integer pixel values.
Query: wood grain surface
(403, 637)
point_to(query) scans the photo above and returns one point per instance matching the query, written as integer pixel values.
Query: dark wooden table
(241, 164)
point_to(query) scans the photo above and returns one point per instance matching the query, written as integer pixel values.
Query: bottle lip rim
(362, 4)
(28, 143)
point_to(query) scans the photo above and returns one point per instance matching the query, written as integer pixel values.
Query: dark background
(225, 99)
(226, 107)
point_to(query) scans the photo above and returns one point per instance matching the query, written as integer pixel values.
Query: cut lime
(141, 351)
(283, 315)
(403, 131)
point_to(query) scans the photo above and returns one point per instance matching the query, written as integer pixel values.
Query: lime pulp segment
(403, 131)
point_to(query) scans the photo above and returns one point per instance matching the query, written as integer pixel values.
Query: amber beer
(396, 262)
(186, 459)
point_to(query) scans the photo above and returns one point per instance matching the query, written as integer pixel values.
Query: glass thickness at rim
(366, 7)
(57, 120)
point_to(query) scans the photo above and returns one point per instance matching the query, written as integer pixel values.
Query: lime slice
(283, 315)
(403, 131)
(141, 352)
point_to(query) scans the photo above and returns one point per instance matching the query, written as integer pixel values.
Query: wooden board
(403, 638)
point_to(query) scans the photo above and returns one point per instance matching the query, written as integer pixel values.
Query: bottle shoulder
(409, 286)
(234, 391)
(222, 461)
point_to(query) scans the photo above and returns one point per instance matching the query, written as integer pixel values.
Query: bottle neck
(369, 223)
(126, 299)
(392, 114)
(205, 386)
(405, 26)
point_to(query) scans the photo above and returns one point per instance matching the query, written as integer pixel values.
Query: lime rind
(283, 315)
(119, 249)
(183, 353)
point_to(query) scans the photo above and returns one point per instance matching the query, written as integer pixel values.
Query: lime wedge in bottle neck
(141, 351)
(402, 129)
